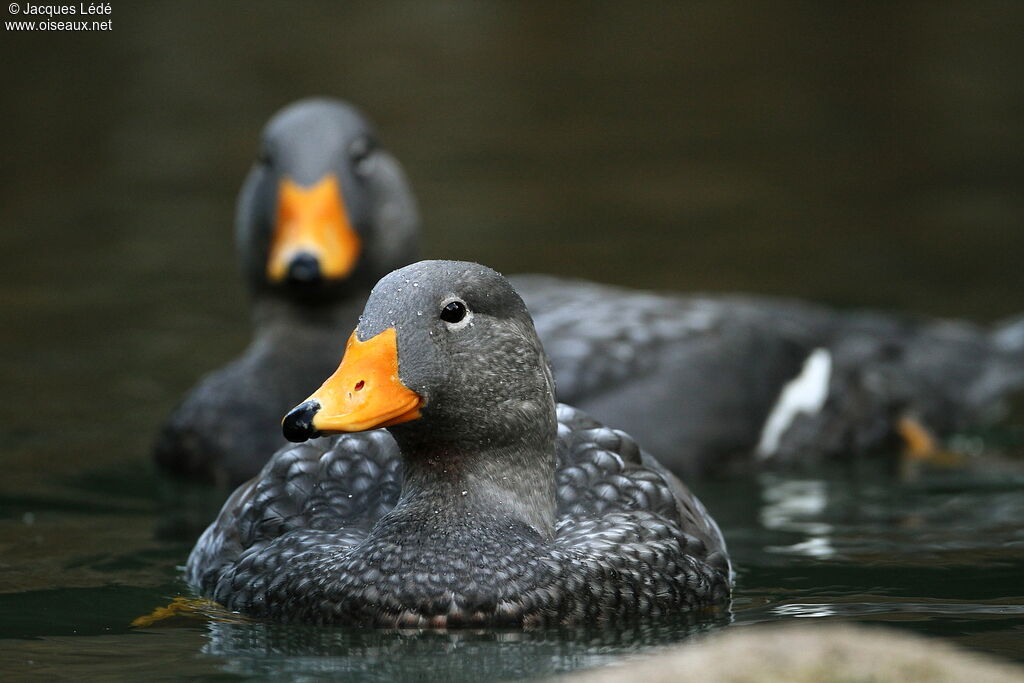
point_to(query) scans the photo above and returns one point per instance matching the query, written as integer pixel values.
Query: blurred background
(861, 154)
(855, 154)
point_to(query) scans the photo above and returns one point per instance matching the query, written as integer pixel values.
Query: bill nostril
(297, 425)
(304, 269)
(359, 385)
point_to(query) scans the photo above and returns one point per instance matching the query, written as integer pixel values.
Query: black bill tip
(304, 271)
(298, 424)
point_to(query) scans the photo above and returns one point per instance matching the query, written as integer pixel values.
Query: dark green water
(866, 156)
(940, 555)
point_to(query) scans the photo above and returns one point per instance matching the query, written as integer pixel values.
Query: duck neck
(510, 481)
(277, 312)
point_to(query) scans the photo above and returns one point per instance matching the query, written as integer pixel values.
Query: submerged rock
(806, 653)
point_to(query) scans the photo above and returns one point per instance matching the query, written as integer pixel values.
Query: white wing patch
(805, 393)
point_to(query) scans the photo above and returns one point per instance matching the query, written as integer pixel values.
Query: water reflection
(826, 609)
(941, 553)
(794, 505)
(868, 515)
(270, 650)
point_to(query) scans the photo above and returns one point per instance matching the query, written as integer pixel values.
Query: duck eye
(453, 312)
(359, 152)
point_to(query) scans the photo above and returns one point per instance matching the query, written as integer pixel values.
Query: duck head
(324, 207)
(445, 354)
(446, 357)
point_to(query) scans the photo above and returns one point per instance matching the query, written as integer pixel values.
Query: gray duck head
(446, 355)
(324, 210)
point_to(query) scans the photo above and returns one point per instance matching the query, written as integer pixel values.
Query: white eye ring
(448, 309)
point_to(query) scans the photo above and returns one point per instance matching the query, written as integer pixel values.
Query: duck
(720, 384)
(324, 213)
(711, 384)
(436, 483)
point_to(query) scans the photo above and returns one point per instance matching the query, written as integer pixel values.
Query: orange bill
(365, 392)
(313, 221)
(919, 442)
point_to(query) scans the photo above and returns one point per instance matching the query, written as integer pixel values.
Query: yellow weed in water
(194, 608)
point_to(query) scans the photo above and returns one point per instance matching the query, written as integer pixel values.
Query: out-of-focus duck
(501, 510)
(708, 383)
(323, 214)
(715, 383)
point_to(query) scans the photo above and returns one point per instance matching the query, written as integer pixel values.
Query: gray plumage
(500, 510)
(695, 378)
